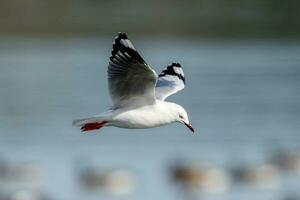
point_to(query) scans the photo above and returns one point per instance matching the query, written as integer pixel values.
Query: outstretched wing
(130, 79)
(170, 81)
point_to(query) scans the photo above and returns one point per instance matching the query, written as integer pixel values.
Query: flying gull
(138, 94)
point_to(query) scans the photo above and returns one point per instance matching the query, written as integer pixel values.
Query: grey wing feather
(130, 79)
(170, 81)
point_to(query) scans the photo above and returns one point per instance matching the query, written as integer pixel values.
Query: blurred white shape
(32, 172)
(113, 181)
(201, 177)
(265, 176)
(119, 182)
(25, 195)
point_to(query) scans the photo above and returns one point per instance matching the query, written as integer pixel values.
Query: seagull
(138, 94)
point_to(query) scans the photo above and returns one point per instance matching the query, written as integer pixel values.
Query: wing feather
(170, 81)
(130, 79)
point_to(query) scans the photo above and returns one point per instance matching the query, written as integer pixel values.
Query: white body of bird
(149, 116)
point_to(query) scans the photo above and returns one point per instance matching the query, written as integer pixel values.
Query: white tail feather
(81, 122)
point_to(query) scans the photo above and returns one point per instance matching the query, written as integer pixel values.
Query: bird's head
(182, 117)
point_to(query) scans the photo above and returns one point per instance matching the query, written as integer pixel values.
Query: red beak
(190, 127)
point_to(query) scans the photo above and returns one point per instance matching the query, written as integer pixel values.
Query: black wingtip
(169, 70)
(121, 35)
(134, 56)
(175, 64)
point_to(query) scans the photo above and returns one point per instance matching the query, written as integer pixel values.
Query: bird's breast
(144, 117)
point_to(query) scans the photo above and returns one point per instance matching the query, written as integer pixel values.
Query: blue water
(242, 97)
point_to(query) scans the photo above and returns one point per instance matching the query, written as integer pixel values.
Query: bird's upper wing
(170, 81)
(130, 79)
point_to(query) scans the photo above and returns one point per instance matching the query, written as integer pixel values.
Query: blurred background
(242, 65)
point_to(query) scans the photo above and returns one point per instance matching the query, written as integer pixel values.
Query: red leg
(93, 126)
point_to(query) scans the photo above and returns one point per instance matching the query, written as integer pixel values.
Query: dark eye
(180, 116)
